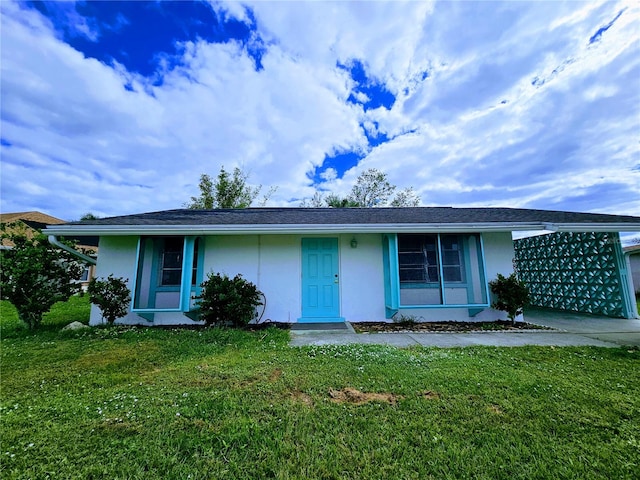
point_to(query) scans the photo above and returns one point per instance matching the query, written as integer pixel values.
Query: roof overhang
(283, 229)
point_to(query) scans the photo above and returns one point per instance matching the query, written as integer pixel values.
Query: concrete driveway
(570, 329)
(620, 331)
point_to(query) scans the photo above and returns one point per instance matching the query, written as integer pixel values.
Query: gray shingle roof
(359, 216)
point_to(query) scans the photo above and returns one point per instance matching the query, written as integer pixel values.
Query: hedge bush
(512, 295)
(228, 301)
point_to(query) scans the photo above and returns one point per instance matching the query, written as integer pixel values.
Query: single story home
(323, 264)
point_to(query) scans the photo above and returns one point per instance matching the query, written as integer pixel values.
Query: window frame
(160, 255)
(190, 255)
(86, 274)
(440, 266)
(392, 283)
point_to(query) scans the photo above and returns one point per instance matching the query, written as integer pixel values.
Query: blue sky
(118, 107)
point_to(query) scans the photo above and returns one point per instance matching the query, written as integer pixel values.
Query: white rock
(75, 326)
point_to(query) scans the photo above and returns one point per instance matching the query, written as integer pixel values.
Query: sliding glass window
(441, 269)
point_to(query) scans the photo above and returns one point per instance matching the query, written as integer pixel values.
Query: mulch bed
(389, 327)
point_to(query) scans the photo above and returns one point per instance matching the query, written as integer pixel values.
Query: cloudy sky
(117, 108)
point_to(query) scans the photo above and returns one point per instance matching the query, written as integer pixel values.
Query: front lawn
(149, 403)
(77, 308)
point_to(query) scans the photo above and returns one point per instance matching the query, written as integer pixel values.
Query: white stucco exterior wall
(362, 278)
(499, 255)
(279, 277)
(273, 263)
(118, 257)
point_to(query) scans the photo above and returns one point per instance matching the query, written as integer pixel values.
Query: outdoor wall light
(354, 243)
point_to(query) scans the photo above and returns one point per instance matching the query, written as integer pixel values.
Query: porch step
(341, 326)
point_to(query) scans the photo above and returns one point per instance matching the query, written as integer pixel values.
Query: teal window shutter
(391, 275)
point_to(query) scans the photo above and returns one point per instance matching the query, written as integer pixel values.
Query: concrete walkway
(570, 329)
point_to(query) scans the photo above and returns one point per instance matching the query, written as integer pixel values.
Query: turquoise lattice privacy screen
(582, 272)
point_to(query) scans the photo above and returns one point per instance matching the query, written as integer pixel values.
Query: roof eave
(597, 227)
(121, 230)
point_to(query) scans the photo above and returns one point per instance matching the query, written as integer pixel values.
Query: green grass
(61, 314)
(150, 403)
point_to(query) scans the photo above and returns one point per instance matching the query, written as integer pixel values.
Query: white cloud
(383, 34)
(478, 130)
(215, 110)
(329, 175)
(231, 9)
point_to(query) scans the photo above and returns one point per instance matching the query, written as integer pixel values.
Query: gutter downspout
(53, 240)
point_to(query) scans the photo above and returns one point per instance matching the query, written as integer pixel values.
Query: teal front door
(320, 280)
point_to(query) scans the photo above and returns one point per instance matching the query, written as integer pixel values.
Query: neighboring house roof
(25, 222)
(31, 222)
(353, 220)
(632, 249)
(35, 216)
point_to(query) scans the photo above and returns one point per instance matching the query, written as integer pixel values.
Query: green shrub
(404, 320)
(34, 275)
(225, 300)
(512, 295)
(111, 295)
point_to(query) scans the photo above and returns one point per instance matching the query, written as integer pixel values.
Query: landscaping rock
(75, 326)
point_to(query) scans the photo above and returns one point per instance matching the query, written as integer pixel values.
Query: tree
(89, 216)
(111, 295)
(34, 275)
(206, 198)
(332, 201)
(317, 201)
(512, 295)
(372, 189)
(336, 201)
(232, 191)
(227, 191)
(406, 198)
